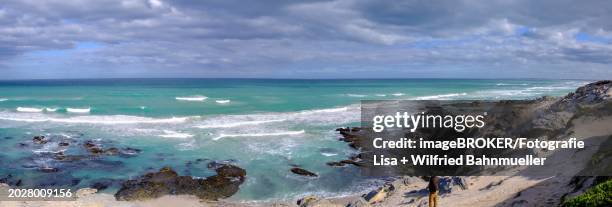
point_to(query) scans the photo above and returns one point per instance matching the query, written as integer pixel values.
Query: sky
(305, 39)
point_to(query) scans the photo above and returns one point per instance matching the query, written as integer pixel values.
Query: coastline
(482, 191)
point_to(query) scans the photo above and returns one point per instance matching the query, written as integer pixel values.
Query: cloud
(327, 38)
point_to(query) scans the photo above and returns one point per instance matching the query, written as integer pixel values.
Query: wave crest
(107, 120)
(261, 134)
(191, 98)
(442, 96)
(237, 124)
(29, 109)
(78, 110)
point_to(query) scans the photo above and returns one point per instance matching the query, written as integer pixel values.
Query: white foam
(331, 110)
(187, 145)
(443, 96)
(238, 123)
(143, 107)
(329, 116)
(51, 109)
(29, 109)
(107, 120)
(175, 134)
(78, 110)
(512, 84)
(223, 101)
(328, 154)
(356, 95)
(381, 95)
(398, 94)
(3, 99)
(528, 92)
(192, 98)
(284, 133)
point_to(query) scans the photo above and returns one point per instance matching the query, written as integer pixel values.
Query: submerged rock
(303, 172)
(167, 182)
(49, 169)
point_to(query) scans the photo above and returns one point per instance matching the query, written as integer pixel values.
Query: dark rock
(231, 171)
(335, 164)
(39, 140)
(217, 164)
(95, 150)
(49, 170)
(343, 129)
(303, 172)
(351, 162)
(100, 185)
(111, 151)
(60, 156)
(89, 144)
(6, 179)
(168, 182)
(63, 144)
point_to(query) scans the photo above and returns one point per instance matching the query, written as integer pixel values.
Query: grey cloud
(259, 37)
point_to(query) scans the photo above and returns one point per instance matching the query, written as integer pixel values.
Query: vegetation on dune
(600, 195)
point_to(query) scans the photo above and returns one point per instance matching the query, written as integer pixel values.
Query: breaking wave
(29, 109)
(283, 133)
(512, 84)
(442, 96)
(175, 134)
(191, 98)
(78, 110)
(108, 120)
(356, 95)
(51, 109)
(238, 123)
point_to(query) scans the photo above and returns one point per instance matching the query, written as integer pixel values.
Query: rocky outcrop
(343, 163)
(313, 201)
(168, 182)
(39, 140)
(303, 172)
(590, 93)
(354, 137)
(378, 195)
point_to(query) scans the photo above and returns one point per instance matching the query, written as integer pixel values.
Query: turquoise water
(264, 126)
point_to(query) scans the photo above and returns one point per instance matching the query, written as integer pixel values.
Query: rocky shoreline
(549, 117)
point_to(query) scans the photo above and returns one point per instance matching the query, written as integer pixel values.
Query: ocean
(265, 126)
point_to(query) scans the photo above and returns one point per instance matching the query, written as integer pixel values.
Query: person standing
(434, 182)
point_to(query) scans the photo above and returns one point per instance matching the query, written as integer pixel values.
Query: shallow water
(264, 126)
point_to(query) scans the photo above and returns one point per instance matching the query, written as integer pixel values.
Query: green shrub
(600, 195)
